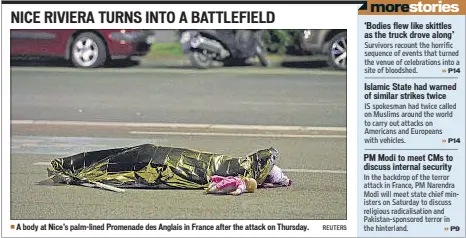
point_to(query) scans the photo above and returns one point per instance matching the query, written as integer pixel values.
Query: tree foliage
(280, 41)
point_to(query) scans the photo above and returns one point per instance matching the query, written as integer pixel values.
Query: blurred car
(84, 48)
(331, 43)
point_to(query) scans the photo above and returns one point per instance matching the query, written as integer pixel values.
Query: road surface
(232, 96)
(62, 111)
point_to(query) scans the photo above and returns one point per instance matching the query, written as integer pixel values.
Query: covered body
(155, 166)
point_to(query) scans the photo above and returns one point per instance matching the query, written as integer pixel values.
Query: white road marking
(303, 104)
(249, 71)
(285, 170)
(315, 171)
(178, 125)
(171, 133)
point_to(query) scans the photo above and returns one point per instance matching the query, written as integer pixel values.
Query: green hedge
(280, 41)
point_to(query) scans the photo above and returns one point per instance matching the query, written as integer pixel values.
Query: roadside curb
(249, 70)
(183, 62)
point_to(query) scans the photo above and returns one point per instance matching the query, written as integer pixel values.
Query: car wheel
(88, 51)
(199, 60)
(337, 52)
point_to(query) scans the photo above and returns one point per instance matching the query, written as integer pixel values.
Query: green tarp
(155, 166)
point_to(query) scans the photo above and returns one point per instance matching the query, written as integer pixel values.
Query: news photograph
(182, 124)
(233, 118)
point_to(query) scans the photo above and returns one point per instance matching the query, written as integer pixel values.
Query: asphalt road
(315, 158)
(229, 96)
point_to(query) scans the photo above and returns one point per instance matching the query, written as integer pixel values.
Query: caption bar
(155, 227)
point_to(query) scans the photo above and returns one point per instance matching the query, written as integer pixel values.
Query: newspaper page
(233, 119)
